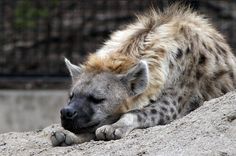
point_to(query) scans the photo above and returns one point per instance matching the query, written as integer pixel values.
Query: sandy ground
(209, 130)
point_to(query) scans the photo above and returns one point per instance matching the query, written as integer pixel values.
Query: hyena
(155, 70)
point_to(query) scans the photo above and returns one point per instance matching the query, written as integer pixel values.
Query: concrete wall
(30, 110)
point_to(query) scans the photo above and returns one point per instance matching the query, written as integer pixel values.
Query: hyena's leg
(62, 137)
(65, 138)
(158, 112)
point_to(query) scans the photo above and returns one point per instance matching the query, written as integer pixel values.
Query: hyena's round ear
(136, 78)
(73, 69)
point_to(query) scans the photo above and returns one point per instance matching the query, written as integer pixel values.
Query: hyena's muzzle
(76, 116)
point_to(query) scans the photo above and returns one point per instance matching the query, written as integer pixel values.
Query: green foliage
(27, 14)
(54, 2)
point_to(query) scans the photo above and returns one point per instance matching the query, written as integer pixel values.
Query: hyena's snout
(79, 114)
(68, 113)
(76, 116)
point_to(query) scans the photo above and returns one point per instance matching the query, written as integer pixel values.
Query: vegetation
(27, 13)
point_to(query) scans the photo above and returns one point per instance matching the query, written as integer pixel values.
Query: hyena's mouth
(91, 128)
(76, 128)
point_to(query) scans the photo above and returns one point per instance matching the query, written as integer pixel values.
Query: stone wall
(30, 110)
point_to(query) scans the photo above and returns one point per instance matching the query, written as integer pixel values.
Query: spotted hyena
(153, 71)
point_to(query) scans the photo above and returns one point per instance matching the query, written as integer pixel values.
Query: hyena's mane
(116, 63)
(156, 37)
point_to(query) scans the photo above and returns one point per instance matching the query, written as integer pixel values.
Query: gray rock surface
(22, 110)
(210, 130)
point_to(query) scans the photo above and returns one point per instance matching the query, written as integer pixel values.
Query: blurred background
(36, 35)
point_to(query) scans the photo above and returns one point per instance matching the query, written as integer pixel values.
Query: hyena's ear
(73, 69)
(136, 78)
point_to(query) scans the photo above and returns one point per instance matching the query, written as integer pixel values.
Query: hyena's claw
(61, 138)
(108, 132)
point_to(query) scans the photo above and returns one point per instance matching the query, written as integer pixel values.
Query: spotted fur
(188, 62)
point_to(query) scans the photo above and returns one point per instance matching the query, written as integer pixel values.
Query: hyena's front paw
(110, 132)
(62, 138)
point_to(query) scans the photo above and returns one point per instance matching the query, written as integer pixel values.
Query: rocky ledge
(209, 130)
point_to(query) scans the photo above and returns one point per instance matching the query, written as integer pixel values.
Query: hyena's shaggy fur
(189, 62)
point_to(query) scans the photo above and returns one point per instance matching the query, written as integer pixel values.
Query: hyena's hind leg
(158, 112)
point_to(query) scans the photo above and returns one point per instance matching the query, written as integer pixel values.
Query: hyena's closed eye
(95, 100)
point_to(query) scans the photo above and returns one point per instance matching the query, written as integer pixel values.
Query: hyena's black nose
(68, 113)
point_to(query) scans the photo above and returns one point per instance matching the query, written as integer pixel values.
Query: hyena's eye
(95, 100)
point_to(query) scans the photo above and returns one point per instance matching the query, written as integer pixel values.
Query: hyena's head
(95, 96)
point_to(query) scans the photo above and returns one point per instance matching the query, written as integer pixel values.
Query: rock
(209, 130)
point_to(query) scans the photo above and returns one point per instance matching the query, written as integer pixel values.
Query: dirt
(210, 130)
